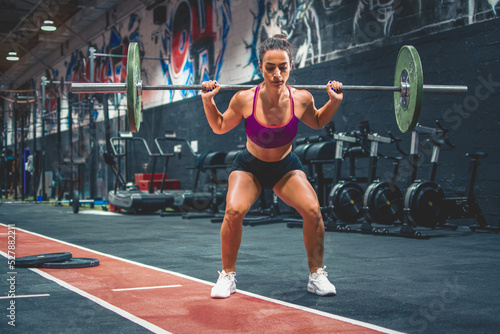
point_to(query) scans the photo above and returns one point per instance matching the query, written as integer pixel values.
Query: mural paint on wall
(191, 47)
(297, 20)
(194, 40)
(382, 11)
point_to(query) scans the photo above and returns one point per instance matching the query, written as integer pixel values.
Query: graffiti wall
(190, 41)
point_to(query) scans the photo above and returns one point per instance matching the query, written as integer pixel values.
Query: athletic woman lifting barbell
(272, 111)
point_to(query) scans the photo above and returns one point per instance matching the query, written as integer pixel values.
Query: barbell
(74, 202)
(408, 88)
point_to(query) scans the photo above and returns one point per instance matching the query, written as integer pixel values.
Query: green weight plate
(34, 260)
(408, 102)
(133, 77)
(75, 262)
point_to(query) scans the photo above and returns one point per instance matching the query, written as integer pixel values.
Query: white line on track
(141, 322)
(98, 213)
(25, 296)
(99, 301)
(149, 287)
(276, 301)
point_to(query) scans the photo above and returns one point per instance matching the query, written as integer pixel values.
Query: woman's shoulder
(243, 96)
(301, 95)
(242, 102)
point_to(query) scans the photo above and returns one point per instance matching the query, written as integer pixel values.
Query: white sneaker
(319, 283)
(225, 286)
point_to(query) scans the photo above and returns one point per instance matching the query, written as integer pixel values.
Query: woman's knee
(311, 212)
(236, 212)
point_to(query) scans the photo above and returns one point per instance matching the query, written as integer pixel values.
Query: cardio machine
(187, 201)
(425, 203)
(345, 200)
(131, 198)
(382, 200)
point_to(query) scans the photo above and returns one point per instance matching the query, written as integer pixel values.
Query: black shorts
(267, 173)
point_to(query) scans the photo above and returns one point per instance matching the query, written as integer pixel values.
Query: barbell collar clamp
(139, 87)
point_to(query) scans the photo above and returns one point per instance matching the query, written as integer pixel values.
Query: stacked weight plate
(63, 260)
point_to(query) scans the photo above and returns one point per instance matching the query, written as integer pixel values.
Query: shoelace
(321, 272)
(227, 275)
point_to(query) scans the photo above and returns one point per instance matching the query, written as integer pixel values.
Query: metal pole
(70, 139)
(92, 150)
(107, 136)
(85, 88)
(92, 134)
(241, 87)
(446, 89)
(34, 154)
(123, 56)
(92, 59)
(98, 88)
(59, 161)
(44, 195)
(16, 158)
(22, 156)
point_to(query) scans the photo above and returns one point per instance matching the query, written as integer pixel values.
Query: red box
(144, 179)
(147, 177)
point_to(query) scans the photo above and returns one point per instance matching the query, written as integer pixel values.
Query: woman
(271, 111)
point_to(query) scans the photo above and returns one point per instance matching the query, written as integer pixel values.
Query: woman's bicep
(310, 113)
(233, 115)
(230, 119)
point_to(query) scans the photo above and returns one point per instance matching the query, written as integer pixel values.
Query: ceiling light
(48, 25)
(12, 56)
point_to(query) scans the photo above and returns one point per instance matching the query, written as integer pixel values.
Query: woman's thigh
(296, 191)
(243, 190)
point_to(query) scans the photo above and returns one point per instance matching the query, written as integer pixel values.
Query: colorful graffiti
(194, 41)
(297, 20)
(193, 44)
(106, 69)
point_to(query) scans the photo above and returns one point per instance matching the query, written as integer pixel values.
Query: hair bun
(280, 36)
(276, 42)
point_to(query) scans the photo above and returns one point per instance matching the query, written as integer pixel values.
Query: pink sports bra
(267, 136)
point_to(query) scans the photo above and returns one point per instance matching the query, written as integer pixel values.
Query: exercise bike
(467, 206)
(382, 200)
(345, 201)
(425, 201)
(423, 198)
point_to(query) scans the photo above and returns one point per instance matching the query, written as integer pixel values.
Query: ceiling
(20, 22)
(77, 22)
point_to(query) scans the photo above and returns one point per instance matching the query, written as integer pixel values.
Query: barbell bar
(73, 202)
(408, 88)
(96, 88)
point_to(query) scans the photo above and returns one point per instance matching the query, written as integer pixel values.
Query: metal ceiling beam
(85, 31)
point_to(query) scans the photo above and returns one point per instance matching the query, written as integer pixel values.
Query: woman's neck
(273, 95)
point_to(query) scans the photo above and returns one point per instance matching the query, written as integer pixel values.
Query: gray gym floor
(445, 284)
